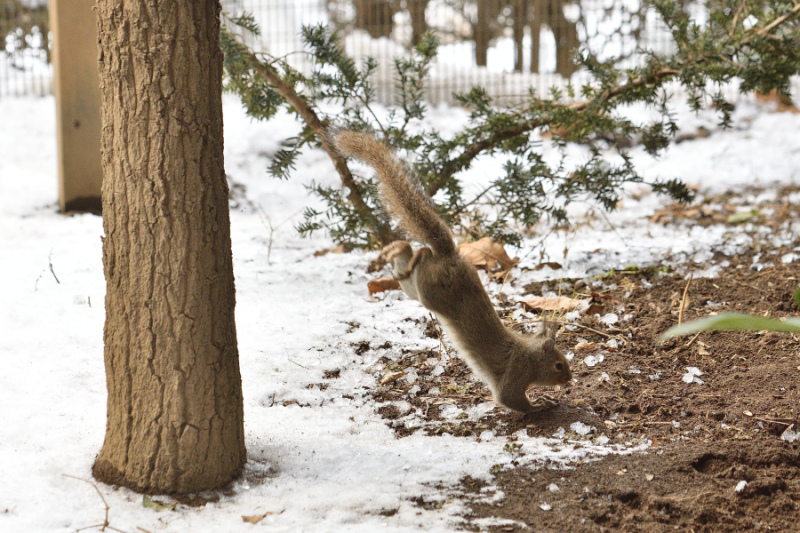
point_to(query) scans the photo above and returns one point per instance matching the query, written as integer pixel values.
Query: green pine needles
(757, 42)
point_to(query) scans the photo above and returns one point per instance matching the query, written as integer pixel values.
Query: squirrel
(448, 285)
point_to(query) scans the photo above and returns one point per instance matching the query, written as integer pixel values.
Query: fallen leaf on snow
(391, 377)
(382, 284)
(782, 101)
(550, 303)
(339, 249)
(583, 345)
(157, 505)
(255, 519)
(487, 254)
(741, 218)
(549, 264)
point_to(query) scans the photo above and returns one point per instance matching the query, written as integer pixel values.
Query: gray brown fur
(445, 283)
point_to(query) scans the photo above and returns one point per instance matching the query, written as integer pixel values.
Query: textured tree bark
(175, 416)
(416, 9)
(482, 31)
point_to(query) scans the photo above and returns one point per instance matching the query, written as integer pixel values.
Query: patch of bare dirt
(716, 462)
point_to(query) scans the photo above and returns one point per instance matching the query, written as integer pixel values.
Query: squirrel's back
(403, 197)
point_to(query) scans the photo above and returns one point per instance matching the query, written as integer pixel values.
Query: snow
(319, 458)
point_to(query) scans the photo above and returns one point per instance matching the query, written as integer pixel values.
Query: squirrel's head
(552, 368)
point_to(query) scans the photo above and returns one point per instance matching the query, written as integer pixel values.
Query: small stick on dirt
(771, 421)
(683, 299)
(688, 344)
(105, 525)
(606, 335)
(748, 286)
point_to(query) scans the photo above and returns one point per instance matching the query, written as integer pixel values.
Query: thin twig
(606, 335)
(105, 525)
(298, 364)
(50, 262)
(691, 341)
(683, 299)
(735, 19)
(770, 421)
(441, 339)
(748, 285)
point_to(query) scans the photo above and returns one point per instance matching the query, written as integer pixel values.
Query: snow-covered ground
(319, 460)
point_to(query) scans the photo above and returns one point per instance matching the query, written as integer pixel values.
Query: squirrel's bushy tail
(403, 197)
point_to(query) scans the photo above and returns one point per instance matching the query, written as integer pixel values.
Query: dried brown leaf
(554, 303)
(594, 309)
(583, 345)
(550, 264)
(254, 519)
(339, 249)
(382, 284)
(486, 254)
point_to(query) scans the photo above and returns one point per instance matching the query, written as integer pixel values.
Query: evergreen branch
(611, 93)
(382, 232)
(498, 136)
(777, 22)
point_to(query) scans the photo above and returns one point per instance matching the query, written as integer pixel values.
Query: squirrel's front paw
(542, 403)
(376, 264)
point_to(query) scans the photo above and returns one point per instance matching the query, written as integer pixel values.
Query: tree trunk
(520, 14)
(175, 417)
(536, 32)
(566, 36)
(375, 16)
(482, 32)
(416, 9)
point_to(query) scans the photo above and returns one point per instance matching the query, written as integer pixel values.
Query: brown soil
(705, 439)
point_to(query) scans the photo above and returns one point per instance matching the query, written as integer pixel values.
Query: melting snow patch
(740, 486)
(610, 319)
(592, 360)
(790, 435)
(691, 375)
(580, 428)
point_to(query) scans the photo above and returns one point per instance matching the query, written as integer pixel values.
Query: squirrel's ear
(549, 344)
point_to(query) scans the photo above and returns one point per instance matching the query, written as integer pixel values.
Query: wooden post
(77, 90)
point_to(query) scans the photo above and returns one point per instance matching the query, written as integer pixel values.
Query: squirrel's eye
(559, 366)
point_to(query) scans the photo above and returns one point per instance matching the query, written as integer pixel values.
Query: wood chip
(391, 377)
